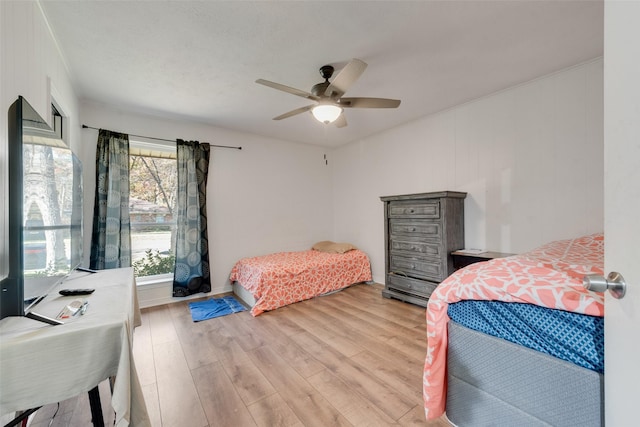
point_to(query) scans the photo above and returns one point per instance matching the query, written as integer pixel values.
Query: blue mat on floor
(214, 307)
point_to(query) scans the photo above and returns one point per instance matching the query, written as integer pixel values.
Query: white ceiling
(199, 60)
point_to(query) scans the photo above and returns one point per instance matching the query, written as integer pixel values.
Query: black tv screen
(44, 210)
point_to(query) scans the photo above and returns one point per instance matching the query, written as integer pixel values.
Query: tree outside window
(153, 182)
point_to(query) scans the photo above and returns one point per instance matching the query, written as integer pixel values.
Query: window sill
(154, 280)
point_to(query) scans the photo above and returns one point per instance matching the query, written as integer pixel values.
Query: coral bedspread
(276, 280)
(550, 276)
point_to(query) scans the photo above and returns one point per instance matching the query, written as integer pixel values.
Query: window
(40, 160)
(57, 121)
(153, 183)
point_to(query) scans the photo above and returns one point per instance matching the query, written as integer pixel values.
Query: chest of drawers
(421, 230)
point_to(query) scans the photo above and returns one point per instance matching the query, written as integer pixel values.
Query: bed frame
(492, 381)
(243, 294)
(248, 299)
(274, 280)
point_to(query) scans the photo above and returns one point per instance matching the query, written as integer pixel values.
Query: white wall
(32, 67)
(271, 196)
(529, 157)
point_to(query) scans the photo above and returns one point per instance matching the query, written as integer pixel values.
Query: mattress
(283, 278)
(573, 337)
(549, 276)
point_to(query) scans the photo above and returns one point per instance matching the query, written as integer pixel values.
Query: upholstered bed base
(243, 294)
(249, 300)
(493, 382)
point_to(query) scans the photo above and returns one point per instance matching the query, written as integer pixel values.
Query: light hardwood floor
(350, 358)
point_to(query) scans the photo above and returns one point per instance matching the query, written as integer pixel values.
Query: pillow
(332, 247)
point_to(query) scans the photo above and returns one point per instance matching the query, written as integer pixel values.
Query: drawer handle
(411, 210)
(413, 229)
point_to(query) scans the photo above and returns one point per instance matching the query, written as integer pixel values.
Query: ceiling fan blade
(341, 121)
(345, 78)
(294, 112)
(287, 89)
(369, 103)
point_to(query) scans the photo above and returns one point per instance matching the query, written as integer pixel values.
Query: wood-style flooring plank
(357, 410)
(198, 340)
(392, 374)
(222, 404)
(246, 337)
(416, 418)
(161, 324)
(285, 324)
(364, 321)
(358, 378)
(274, 411)
(305, 401)
(348, 324)
(249, 381)
(143, 353)
(413, 313)
(302, 316)
(409, 316)
(370, 322)
(407, 357)
(268, 326)
(150, 393)
(350, 358)
(226, 347)
(179, 401)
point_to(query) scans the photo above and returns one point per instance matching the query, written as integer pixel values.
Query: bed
(275, 280)
(518, 340)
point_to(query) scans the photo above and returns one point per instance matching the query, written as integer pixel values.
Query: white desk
(42, 364)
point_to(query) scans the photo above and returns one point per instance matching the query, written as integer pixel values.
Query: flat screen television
(44, 211)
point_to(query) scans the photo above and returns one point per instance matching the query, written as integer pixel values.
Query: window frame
(145, 147)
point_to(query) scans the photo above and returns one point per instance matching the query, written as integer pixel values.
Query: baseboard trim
(154, 294)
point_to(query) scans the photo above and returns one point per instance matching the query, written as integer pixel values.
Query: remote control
(70, 292)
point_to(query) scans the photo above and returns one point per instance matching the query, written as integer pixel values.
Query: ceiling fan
(328, 96)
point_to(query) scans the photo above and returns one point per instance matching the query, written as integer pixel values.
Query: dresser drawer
(423, 268)
(421, 230)
(409, 285)
(414, 209)
(417, 229)
(412, 247)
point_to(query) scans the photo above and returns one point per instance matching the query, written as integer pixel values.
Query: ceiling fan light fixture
(326, 113)
(328, 96)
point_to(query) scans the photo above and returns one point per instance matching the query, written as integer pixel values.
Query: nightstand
(462, 258)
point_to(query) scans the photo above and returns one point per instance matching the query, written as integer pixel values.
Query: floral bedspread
(550, 276)
(278, 279)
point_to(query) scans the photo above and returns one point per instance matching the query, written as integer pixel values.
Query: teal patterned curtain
(191, 273)
(111, 236)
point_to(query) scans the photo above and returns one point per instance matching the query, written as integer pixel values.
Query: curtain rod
(168, 140)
